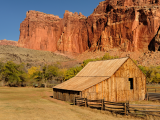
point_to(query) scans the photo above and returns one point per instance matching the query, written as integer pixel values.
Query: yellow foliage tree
(62, 73)
(32, 70)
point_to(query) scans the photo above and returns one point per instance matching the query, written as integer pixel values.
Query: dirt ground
(38, 104)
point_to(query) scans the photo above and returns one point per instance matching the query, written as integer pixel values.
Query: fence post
(155, 90)
(125, 109)
(85, 99)
(102, 108)
(74, 100)
(147, 97)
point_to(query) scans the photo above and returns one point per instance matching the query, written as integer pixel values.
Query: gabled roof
(80, 83)
(93, 73)
(101, 68)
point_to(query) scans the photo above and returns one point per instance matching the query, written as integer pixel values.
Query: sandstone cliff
(128, 25)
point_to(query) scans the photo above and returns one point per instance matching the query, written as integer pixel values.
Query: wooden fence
(153, 90)
(153, 96)
(140, 109)
(119, 107)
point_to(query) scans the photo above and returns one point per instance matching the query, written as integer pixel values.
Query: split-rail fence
(124, 108)
(153, 94)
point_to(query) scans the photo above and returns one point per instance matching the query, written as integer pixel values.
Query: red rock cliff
(129, 25)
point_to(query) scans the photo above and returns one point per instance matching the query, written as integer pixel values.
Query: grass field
(36, 104)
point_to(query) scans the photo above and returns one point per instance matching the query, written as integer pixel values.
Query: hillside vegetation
(29, 56)
(15, 74)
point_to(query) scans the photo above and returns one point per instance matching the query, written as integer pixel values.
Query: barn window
(131, 83)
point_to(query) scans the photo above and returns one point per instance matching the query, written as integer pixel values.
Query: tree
(13, 73)
(49, 72)
(1, 67)
(61, 74)
(72, 72)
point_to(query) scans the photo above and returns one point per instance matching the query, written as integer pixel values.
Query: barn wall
(117, 87)
(130, 70)
(65, 95)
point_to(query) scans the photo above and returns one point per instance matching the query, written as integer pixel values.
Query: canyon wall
(127, 25)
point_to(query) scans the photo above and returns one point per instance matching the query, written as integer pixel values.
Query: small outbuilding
(113, 80)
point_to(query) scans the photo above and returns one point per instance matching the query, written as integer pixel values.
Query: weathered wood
(103, 105)
(145, 110)
(115, 107)
(85, 99)
(114, 104)
(127, 83)
(143, 105)
(98, 101)
(95, 105)
(125, 109)
(142, 108)
(74, 100)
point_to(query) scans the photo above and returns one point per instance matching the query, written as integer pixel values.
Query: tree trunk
(45, 85)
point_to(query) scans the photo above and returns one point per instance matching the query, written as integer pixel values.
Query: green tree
(61, 74)
(72, 72)
(108, 57)
(48, 72)
(1, 67)
(13, 73)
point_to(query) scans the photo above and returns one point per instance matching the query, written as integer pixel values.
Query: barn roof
(93, 73)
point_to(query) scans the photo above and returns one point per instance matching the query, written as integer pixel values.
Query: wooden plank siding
(117, 87)
(113, 85)
(65, 95)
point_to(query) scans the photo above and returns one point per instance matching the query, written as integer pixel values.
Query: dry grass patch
(36, 104)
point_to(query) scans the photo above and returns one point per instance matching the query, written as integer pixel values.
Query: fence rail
(124, 108)
(153, 90)
(153, 96)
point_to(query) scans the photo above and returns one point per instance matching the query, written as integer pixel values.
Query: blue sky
(13, 12)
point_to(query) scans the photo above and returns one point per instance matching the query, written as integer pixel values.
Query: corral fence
(153, 94)
(124, 108)
(153, 90)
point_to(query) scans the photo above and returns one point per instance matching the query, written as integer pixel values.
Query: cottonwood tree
(13, 73)
(48, 72)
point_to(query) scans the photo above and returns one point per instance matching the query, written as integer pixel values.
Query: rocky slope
(8, 42)
(30, 57)
(127, 25)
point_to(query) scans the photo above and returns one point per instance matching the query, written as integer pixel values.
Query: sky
(13, 12)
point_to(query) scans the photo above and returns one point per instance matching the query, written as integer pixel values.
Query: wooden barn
(112, 80)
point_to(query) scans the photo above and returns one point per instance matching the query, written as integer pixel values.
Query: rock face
(127, 25)
(8, 42)
(48, 32)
